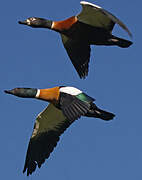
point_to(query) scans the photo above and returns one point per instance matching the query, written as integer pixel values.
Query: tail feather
(99, 113)
(104, 114)
(123, 43)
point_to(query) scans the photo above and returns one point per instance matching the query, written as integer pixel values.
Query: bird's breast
(50, 95)
(64, 25)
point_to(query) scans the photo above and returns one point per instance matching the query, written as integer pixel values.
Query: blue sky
(90, 148)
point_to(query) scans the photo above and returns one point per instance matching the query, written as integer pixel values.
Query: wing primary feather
(73, 116)
(76, 112)
(67, 113)
(47, 130)
(79, 53)
(108, 18)
(116, 20)
(78, 108)
(83, 106)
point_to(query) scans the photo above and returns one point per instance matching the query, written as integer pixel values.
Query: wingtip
(83, 75)
(130, 34)
(24, 170)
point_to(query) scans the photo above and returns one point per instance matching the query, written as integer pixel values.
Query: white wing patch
(90, 4)
(70, 90)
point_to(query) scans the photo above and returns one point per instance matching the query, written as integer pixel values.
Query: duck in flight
(66, 104)
(93, 26)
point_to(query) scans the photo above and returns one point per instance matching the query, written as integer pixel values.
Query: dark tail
(104, 114)
(98, 113)
(123, 43)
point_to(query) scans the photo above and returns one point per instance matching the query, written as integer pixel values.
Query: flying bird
(66, 104)
(92, 26)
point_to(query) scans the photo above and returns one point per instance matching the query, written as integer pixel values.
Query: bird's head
(23, 92)
(36, 22)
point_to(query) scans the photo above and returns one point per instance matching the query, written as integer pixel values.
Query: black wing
(79, 54)
(49, 125)
(72, 107)
(96, 16)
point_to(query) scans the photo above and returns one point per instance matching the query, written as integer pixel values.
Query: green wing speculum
(84, 97)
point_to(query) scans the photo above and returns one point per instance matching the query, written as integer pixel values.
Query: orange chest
(50, 95)
(65, 24)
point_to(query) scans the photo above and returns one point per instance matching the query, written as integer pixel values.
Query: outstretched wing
(49, 125)
(72, 107)
(79, 54)
(94, 15)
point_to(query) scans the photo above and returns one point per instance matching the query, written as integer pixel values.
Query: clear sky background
(90, 148)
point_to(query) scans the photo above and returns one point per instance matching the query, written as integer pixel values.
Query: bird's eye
(33, 19)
